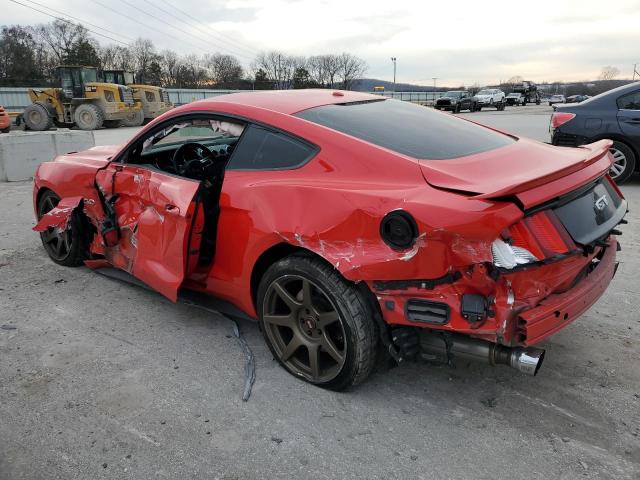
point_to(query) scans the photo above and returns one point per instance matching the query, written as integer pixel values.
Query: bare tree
(609, 73)
(61, 37)
(226, 70)
(352, 68)
(170, 64)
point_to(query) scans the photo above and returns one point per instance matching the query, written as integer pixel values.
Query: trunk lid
(534, 172)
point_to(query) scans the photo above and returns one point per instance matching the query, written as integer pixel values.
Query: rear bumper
(5, 121)
(559, 310)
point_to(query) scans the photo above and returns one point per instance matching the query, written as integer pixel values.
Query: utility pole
(635, 71)
(393, 59)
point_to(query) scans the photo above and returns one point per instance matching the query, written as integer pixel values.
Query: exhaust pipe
(442, 348)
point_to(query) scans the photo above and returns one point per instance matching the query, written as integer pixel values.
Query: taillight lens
(534, 238)
(558, 118)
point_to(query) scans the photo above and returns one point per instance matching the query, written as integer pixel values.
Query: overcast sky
(463, 43)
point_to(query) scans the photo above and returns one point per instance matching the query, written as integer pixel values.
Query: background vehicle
(515, 99)
(577, 98)
(614, 115)
(154, 101)
(456, 101)
(81, 101)
(553, 99)
(530, 92)
(5, 121)
(490, 97)
(435, 224)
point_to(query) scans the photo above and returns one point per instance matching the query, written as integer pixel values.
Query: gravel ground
(102, 379)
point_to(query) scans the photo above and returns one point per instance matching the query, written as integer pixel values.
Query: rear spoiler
(595, 151)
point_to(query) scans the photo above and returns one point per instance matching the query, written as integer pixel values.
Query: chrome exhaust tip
(527, 360)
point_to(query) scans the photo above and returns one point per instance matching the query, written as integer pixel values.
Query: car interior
(198, 149)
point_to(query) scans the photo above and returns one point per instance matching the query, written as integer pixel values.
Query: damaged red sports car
(349, 225)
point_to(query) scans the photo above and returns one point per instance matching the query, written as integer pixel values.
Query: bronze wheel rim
(304, 328)
(57, 243)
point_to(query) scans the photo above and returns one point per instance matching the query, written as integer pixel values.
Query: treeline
(29, 55)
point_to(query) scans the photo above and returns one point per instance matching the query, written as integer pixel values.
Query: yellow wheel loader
(154, 100)
(81, 101)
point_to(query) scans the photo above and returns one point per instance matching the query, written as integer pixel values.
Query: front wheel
(63, 247)
(134, 118)
(88, 116)
(317, 325)
(624, 162)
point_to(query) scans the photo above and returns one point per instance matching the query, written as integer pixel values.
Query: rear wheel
(6, 130)
(63, 247)
(88, 116)
(317, 325)
(36, 117)
(624, 162)
(134, 119)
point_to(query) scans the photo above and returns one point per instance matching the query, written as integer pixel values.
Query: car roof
(288, 101)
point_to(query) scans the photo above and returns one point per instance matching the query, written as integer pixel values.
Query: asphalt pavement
(102, 379)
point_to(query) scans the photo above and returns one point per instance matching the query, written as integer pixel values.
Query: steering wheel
(191, 158)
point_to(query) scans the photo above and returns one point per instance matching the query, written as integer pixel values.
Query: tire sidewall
(309, 269)
(631, 161)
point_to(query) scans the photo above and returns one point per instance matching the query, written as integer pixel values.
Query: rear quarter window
(409, 129)
(262, 149)
(630, 102)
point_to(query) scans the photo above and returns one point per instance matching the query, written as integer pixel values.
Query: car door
(154, 213)
(629, 115)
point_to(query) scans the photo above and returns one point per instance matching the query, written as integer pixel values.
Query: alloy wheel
(304, 328)
(619, 163)
(56, 242)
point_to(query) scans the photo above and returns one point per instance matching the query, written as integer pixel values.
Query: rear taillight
(534, 238)
(559, 118)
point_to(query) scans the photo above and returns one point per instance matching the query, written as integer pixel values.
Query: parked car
(491, 97)
(553, 99)
(615, 115)
(5, 120)
(515, 99)
(342, 221)
(577, 98)
(456, 101)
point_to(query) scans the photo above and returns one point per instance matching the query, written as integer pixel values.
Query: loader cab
(73, 80)
(121, 77)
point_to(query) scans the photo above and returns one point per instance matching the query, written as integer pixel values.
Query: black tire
(456, 109)
(112, 123)
(134, 119)
(88, 116)
(621, 152)
(6, 130)
(352, 321)
(479, 108)
(36, 117)
(64, 248)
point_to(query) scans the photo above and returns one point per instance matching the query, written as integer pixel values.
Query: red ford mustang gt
(349, 225)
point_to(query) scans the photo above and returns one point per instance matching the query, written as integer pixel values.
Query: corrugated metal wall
(16, 98)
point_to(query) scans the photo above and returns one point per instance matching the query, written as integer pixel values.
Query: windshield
(89, 75)
(408, 129)
(485, 92)
(453, 94)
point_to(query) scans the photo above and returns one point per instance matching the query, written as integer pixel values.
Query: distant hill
(367, 84)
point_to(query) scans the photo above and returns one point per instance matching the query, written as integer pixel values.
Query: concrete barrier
(22, 152)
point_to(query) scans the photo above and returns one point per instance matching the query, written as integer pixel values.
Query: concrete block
(22, 152)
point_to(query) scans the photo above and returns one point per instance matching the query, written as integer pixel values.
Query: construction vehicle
(154, 100)
(530, 92)
(80, 100)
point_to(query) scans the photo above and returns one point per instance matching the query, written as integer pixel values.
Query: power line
(231, 46)
(83, 22)
(155, 29)
(167, 23)
(68, 22)
(208, 31)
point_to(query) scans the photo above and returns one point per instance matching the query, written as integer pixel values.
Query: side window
(262, 149)
(630, 102)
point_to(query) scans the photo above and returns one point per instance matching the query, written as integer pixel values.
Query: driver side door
(155, 213)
